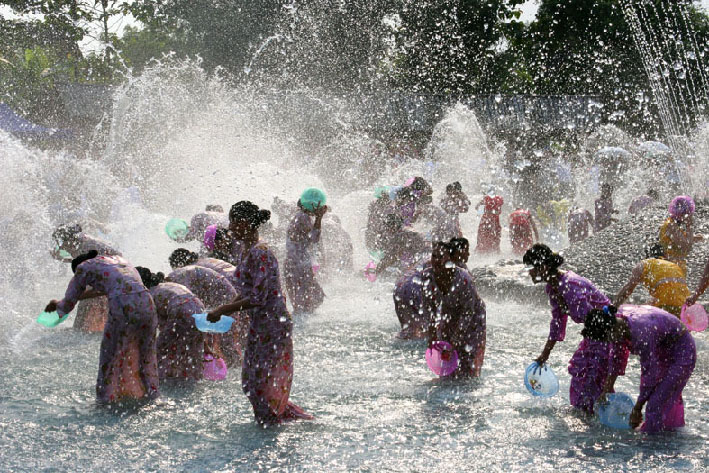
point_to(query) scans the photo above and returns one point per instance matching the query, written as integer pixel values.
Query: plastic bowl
(370, 271)
(615, 411)
(209, 235)
(221, 326)
(694, 317)
(442, 358)
(312, 198)
(176, 228)
(541, 380)
(51, 319)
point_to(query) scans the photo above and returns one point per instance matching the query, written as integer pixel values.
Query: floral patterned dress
(91, 314)
(267, 368)
(180, 345)
(490, 230)
(128, 361)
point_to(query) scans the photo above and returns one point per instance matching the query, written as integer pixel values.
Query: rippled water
(378, 407)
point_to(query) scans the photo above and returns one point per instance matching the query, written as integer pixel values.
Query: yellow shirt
(666, 281)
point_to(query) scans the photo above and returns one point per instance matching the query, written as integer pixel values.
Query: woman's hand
(321, 210)
(213, 317)
(52, 306)
(636, 417)
(691, 300)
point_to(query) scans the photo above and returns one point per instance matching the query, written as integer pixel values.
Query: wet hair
(459, 244)
(655, 250)
(149, 278)
(214, 208)
(599, 322)
(420, 184)
(393, 222)
(246, 210)
(81, 258)
(443, 248)
(182, 257)
(66, 232)
(221, 234)
(541, 255)
(454, 187)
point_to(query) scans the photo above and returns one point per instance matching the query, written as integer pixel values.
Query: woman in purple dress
(458, 313)
(128, 361)
(180, 345)
(303, 234)
(572, 296)
(267, 368)
(667, 358)
(92, 313)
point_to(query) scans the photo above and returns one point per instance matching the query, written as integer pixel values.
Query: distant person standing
(523, 231)
(604, 209)
(212, 215)
(578, 223)
(490, 230)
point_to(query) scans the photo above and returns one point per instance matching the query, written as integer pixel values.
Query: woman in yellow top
(665, 281)
(677, 232)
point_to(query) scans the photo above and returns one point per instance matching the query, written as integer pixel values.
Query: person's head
(65, 236)
(214, 208)
(455, 200)
(244, 219)
(149, 278)
(422, 190)
(543, 262)
(655, 250)
(81, 258)
(682, 208)
(441, 258)
(182, 257)
(606, 190)
(653, 194)
(602, 325)
(222, 240)
(461, 250)
(393, 223)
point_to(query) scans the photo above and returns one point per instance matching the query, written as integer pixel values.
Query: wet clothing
(459, 318)
(446, 225)
(377, 212)
(267, 368)
(604, 213)
(411, 294)
(490, 230)
(303, 288)
(128, 361)
(91, 314)
(220, 266)
(200, 222)
(667, 284)
(209, 286)
(588, 366)
(640, 203)
(579, 222)
(521, 234)
(673, 252)
(667, 357)
(180, 345)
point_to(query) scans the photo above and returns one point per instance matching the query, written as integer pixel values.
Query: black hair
(443, 247)
(459, 244)
(221, 235)
(214, 208)
(393, 221)
(149, 278)
(246, 210)
(420, 184)
(81, 258)
(654, 194)
(454, 187)
(541, 255)
(655, 250)
(66, 232)
(599, 322)
(182, 257)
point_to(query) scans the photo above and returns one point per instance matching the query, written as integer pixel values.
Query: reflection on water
(378, 407)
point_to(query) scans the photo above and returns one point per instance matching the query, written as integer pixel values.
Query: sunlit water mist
(181, 139)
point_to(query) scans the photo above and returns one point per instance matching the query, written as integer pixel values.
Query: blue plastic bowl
(221, 326)
(541, 381)
(615, 412)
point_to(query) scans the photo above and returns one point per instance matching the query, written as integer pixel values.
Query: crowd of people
(149, 334)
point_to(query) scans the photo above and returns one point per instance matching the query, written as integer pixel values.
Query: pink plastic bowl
(370, 271)
(442, 358)
(214, 369)
(694, 317)
(209, 234)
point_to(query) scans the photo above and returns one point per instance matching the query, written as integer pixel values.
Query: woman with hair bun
(303, 234)
(128, 361)
(667, 357)
(571, 295)
(267, 367)
(180, 346)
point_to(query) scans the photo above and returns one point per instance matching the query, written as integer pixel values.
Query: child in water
(667, 358)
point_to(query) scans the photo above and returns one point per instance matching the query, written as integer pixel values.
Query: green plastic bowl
(176, 228)
(51, 319)
(312, 198)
